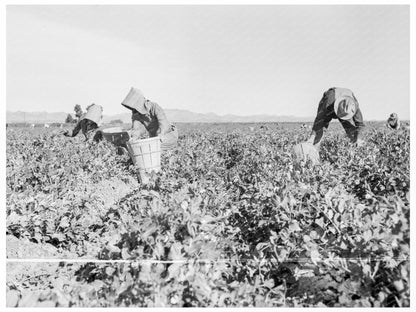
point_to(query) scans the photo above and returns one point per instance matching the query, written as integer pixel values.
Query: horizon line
(224, 115)
(167, 109)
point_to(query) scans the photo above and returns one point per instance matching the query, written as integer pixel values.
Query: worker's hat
(345, 107)
(135, 100)
(393, 115)
(94, 113)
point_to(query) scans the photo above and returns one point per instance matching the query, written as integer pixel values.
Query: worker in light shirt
(149, 119)
(393, 122)
(341, 104)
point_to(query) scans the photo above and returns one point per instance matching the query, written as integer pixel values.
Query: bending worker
(341, 104)
(88, 123)
(393, 122)
(149, 117)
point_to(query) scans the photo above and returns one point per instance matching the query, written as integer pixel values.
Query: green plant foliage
(231, 220)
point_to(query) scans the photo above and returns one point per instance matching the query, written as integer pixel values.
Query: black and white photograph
(204, 155)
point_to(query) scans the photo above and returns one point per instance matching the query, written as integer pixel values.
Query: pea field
(230, 221)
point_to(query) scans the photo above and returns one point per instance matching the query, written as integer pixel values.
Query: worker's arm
(74, 132)
(316, 136)
(162, 120)
(354, 127)
(137, 131)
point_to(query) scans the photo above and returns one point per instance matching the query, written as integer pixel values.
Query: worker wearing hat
(149, 117)
(393, 122)
(341, 104)
(88, 123)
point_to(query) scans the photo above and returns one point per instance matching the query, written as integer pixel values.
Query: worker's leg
(323, 116)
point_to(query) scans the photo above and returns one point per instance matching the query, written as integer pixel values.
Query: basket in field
(145, 153)
(306, 151)
(116, 135)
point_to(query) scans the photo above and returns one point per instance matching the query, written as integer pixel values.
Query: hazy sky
(222, 59)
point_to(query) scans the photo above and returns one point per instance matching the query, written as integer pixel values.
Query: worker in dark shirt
(341, 104)
(393, 122)
(149, 119)
(88, 123)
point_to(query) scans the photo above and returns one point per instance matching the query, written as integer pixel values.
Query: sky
(242, 60)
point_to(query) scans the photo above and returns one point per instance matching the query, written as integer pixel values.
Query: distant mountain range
(174, 115)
